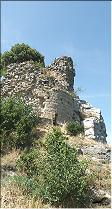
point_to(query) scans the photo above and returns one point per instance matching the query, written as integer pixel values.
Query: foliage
(39, 65)
(3, 71)
(28, 162)
(2, 68)
(18, 124)
(74, 128)
(29, 184)
(60, 176)
(20, 53)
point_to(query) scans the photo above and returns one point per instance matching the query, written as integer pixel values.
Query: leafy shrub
(20, 53)
(18, 124)
(60, 176)
(74, 128)
(28, 162)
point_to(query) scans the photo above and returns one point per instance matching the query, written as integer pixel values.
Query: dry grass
(10, 158)
(81, 141)
(102, 175)
(100, 171)
(12, 197)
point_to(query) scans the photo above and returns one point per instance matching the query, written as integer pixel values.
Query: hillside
(95, 153)
(54, 149)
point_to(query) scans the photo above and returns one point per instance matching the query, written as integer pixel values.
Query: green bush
(18, 124)
(74, 128)
(20, 53)
(60, 177)
(28, 162)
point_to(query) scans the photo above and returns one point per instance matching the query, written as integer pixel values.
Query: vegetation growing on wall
(20, 53)
(74, 128)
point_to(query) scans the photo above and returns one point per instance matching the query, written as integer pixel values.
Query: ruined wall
(47, 89)
(50, 91)
(62, 103)
(62, 69)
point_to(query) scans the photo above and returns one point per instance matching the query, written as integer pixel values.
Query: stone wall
(62, 69)
(50, 91)
(61, 103)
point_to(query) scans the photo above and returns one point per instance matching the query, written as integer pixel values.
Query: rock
(80, 151)
(8, 170)
(102, 197)
(94, 126)
(16, 76)
(88, 123)
(99, 151)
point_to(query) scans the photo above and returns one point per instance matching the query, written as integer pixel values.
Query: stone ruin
(50, 92)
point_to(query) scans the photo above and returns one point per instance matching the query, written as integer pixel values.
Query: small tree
(60, 177)
(20, 53)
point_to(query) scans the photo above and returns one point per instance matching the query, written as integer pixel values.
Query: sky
(80, 29)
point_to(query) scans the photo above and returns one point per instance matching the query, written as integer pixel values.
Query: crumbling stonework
(62, 103)
(50, 91)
